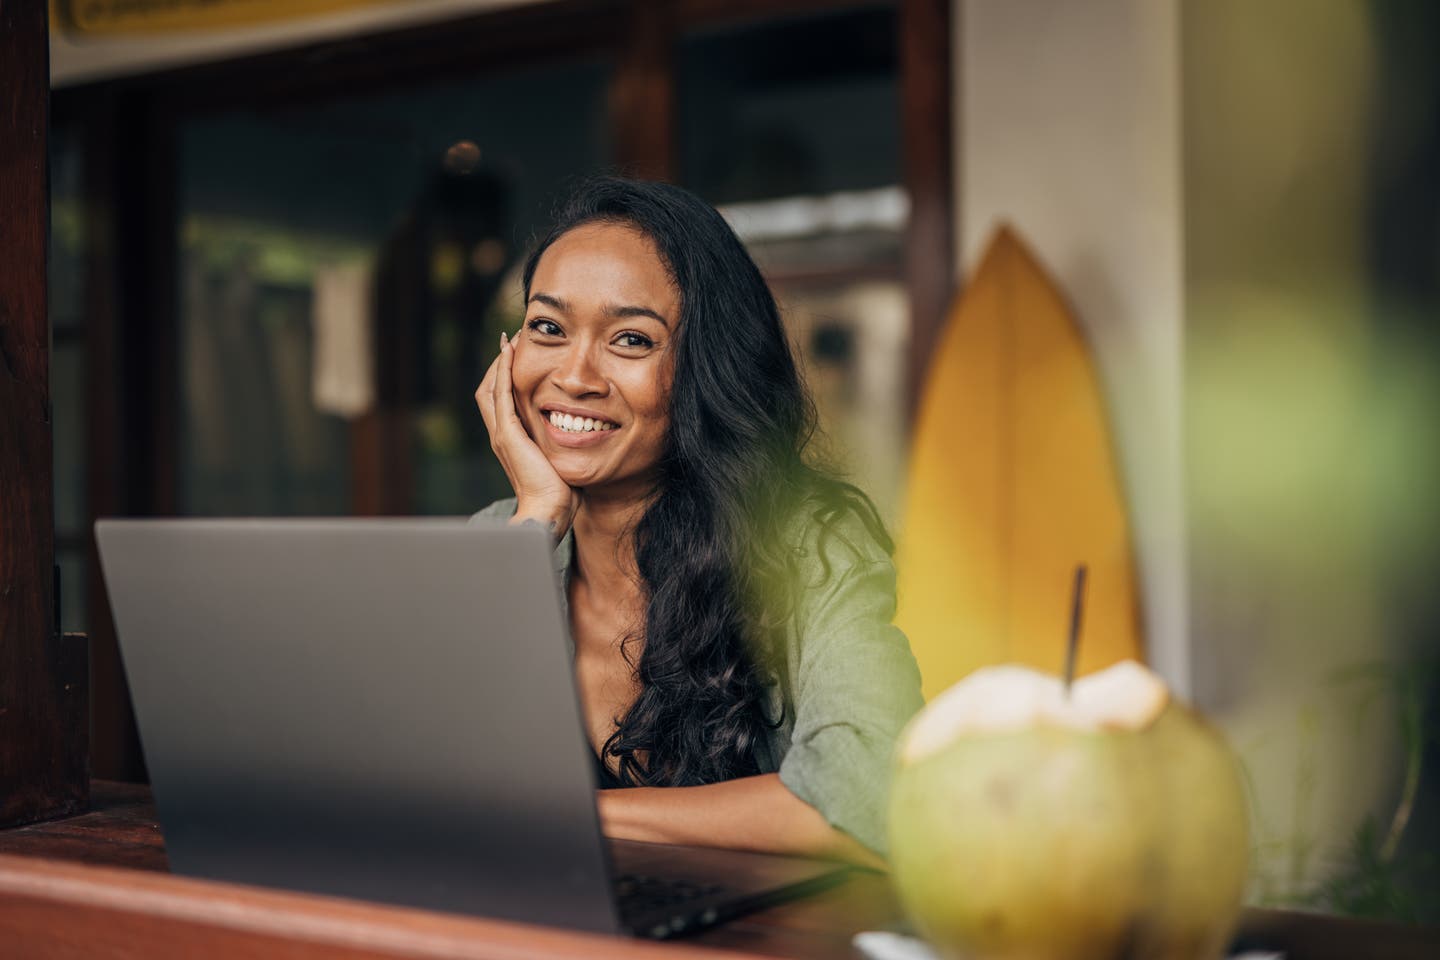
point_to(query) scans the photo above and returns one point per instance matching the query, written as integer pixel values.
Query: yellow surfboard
(1012, 484)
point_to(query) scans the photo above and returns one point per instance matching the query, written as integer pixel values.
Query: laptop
(386, 709)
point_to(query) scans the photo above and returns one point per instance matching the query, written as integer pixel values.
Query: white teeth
(575, 424)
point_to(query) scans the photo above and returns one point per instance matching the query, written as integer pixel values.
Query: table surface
(121, 831)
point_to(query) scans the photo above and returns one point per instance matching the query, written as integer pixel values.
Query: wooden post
(925, 93)
(642, 93)
(121, 333)
(43, 743)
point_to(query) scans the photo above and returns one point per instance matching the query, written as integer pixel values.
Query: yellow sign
(112, 17)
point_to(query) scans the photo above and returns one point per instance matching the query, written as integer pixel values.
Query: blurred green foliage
(1389, 870)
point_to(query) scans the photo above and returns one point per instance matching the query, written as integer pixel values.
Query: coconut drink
(1031, 819)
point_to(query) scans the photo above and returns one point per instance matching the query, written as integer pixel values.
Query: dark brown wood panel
(382, 463)
(43, 693)
(114, 743)
(695, 13)
(152, 326)
(925, 97)
(129, 383)
(642, 93)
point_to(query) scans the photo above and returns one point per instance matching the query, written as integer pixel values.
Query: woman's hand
(540, 493)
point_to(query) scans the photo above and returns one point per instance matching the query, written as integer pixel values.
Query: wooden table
(99, 885)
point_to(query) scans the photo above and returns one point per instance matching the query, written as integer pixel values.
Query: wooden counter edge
(56, 909)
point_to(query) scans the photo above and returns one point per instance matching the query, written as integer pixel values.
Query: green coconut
(1031, 824)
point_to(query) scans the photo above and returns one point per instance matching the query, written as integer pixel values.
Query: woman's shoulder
(831, 535)
(497, 512)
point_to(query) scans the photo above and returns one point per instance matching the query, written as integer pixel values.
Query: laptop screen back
(381, 709)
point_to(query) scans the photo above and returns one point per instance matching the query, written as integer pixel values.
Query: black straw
(1077, 608)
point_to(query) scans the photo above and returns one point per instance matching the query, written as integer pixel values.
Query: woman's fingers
(540, 491)
(485, 397)
(504, 389)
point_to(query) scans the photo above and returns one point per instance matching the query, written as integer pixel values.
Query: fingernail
(503, 340)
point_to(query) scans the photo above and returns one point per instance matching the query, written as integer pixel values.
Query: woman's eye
(634, 340)
(546, 328)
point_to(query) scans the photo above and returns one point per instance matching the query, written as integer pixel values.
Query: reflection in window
(792, 128)
(795, 107)
(67, 370)
(833, 263)
(340, 265)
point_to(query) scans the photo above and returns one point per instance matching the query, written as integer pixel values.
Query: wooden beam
(451, 50)
(113, 483)
(925, 96)
(709, 13)
(43, 772)
(642, 93)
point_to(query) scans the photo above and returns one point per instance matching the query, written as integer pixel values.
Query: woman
(729, 603)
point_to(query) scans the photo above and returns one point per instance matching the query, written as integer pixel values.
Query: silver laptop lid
(382, 709)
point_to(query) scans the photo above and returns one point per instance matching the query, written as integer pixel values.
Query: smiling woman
(729, 599)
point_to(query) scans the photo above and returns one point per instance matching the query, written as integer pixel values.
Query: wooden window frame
(43, 687)
(129, 128)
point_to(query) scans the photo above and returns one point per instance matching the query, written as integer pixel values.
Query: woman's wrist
(554, 521)
(631, 814)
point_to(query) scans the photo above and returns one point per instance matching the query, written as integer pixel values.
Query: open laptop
(386, 709)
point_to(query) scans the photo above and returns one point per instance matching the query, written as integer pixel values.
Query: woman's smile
(573, 427)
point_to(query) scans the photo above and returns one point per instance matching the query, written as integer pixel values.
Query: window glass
(791, 127)
(73, 572)
(67, 402)
(791, 107)
(67, 278)
(67, 230)
(339, 271)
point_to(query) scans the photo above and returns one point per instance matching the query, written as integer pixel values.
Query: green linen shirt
(853, 683)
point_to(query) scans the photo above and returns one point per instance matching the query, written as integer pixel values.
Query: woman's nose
(578, 374)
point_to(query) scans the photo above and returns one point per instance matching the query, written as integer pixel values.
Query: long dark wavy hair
(715, 548)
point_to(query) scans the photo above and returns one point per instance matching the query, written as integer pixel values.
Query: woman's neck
(604, 542)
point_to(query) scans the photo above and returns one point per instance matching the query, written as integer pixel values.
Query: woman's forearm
(752, 813)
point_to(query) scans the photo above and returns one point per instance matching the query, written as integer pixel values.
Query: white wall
(1068, 127)
(1195, 175)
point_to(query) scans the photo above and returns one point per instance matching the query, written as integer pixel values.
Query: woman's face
(593, 366)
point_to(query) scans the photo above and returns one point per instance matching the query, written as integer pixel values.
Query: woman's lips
(573, 438)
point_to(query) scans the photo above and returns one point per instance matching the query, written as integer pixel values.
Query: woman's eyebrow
(555, 303)
(622, 312)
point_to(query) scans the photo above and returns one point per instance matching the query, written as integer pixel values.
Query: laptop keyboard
(639, 895)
